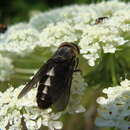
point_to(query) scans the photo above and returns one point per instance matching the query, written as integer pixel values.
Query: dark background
(13, 11)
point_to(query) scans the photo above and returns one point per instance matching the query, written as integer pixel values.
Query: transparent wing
(36, 79)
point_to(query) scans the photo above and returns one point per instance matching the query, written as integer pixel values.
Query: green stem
(25, 71)
(23, 77)
(113, 71)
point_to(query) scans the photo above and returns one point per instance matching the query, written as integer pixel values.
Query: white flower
(44, 19)
(56, 34)
(114, 110)
(74, 23)
(14, 111)
(2, 37)
(77, 90)
(6, 68)
(20, 40)
(109, 49)
(18, 26)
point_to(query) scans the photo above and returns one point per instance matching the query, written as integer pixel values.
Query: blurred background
(13, 11)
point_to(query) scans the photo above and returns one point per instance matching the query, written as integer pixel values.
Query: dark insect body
(100, 20)
(3, 28)
(54, 78)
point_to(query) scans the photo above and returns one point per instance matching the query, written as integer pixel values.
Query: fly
(100, 19)
(54, 78)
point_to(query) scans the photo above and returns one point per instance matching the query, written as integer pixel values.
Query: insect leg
(76, 65)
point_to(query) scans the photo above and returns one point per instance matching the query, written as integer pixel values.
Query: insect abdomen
(43, 99)
(52, 85)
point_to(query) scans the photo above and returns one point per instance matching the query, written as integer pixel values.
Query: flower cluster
(114, 111)
(76, 24)
(19, 113)
(91, 37)
(77, 90)
(55, 34)
(19, 40)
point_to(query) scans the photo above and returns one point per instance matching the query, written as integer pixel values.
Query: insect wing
(58, 91)
(36, 79)
(63, 100)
